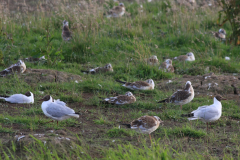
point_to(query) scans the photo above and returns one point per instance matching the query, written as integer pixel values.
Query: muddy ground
(95, 135)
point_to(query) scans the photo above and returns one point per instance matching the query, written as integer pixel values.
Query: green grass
(125, 43)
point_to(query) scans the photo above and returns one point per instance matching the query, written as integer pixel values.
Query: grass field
(162, 28)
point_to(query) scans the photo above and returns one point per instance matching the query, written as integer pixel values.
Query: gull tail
(84, 71)
(2, 98)
(164, 101)
(187, 115)
(117, 80)
(128, 125)
(74, 115)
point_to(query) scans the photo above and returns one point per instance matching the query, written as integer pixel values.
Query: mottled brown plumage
(145, 124)
(167, 66)
(121, 99)
(19, 67)
(117, 11)
(181, 97)
(107, 68)
(139, 85)
(153, 60)
(66, 34)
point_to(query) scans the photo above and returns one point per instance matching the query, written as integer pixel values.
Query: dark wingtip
(128, 125)
(162, 101)
(187, 115)
(117, 80)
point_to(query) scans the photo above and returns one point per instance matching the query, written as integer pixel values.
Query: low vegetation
(163, 28)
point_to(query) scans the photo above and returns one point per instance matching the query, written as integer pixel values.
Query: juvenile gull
(33, 59)
(208, 113)
(28, 97)
(153, 60)
(181, 97)
(145, 124)
(19, 67)
(167, 66)
(221, 34)
(107, 68)
(139, 85)
(66, 34)
(188, 57)
(117, 11)
(121, 99)
(56, 109)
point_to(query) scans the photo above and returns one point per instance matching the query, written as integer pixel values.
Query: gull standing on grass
(66, 34)
(145, 125)
(28, 97)
(181, 97)
(139, 85)
(56, 109)
(208, 113)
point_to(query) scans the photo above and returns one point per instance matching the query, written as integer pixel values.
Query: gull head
(158, 119)
(65, 23)
(222, 31)
(47, 98)
(108, 66)
(121, 4)
(191, 56)
(187, 86)
(219, 97)
(150, 81)
(129, 94)
(28, 94)
(168, 61)
(153, 57)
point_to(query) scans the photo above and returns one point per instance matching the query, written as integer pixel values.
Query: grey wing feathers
(180, 95)
(57, 110)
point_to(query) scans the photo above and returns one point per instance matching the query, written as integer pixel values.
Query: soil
(35, 76)
(206, 85)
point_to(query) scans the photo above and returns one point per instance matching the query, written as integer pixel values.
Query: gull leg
(181, 107)
(207, 126)
(139, 138)
(150, 137)
(57, 123)
(49, 122)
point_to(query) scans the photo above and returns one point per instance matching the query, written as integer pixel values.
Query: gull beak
(224, 99)
(41, 99)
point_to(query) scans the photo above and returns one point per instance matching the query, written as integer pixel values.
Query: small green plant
(116, 132)
(186, 132)
(231, 10)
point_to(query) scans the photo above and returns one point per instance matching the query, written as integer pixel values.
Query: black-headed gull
(139, 85)
(28, 97)
(121, 99)
(145, 124)
(56, 109)
(208, 113)
(181, 97)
